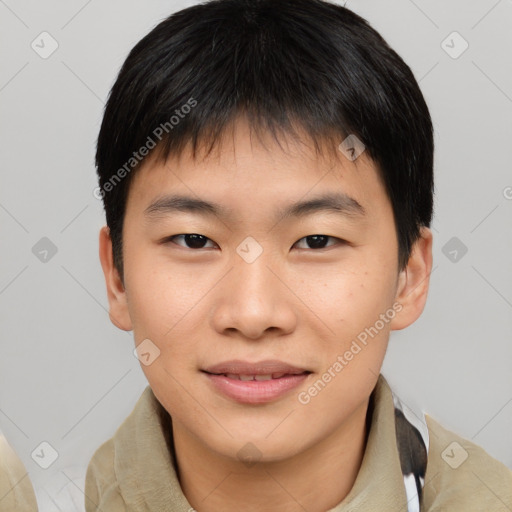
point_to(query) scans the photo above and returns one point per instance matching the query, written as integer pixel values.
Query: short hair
(282, 64)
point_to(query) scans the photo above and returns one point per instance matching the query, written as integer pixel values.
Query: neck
(316, 479)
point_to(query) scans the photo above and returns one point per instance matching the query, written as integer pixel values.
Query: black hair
(281, 63)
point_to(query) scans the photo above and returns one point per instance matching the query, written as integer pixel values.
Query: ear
(116, 293)
(413, 282)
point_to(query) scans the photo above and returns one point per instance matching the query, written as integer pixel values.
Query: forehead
(248, 167)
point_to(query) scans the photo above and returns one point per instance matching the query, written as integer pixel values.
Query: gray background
(69, 377)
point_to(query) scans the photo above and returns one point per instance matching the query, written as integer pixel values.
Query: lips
(274, 368)
(255, 383)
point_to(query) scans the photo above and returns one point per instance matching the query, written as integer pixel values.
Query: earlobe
(118, 307)
(413, 282)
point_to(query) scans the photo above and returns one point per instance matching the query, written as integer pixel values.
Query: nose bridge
(252, 281)
(253, 300)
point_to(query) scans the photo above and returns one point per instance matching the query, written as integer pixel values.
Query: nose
(254, 301)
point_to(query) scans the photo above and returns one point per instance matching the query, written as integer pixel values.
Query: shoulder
(463, 476)
(114, 464)
(16, 491)
(101, 486)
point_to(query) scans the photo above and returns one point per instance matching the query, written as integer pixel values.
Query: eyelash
(171, 238)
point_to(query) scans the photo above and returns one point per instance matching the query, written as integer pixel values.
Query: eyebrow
(339, 203)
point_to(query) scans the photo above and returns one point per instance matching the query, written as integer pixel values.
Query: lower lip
(256, 391)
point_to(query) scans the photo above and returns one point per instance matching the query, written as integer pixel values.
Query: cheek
(168, 305)
(158, 293)
(164, 307)
(150, 301)
(349, 299)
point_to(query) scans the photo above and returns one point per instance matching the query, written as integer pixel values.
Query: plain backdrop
(68, 377)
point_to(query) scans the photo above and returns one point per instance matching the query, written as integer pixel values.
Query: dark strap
(412, 442)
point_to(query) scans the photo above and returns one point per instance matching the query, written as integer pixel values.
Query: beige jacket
(16, 491)
(135, 470)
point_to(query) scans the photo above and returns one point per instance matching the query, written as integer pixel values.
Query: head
(266, 169)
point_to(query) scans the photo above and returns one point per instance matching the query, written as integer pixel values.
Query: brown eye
(192, 240)
(317, 241)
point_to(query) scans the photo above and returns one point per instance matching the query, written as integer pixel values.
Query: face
(290, 269)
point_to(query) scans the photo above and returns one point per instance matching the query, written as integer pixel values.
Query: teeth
(269, 376)
(263, 377)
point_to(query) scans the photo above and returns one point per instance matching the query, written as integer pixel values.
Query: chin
(252, 447)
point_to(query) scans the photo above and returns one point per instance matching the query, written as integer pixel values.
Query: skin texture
(296, 303)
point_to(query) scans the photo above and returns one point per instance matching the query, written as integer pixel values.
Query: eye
(192, 240)
(318, 241)
(198, 241)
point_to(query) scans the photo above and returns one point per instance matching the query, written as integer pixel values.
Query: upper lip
(238, 367)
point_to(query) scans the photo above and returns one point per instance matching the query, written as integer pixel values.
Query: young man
(266, 168)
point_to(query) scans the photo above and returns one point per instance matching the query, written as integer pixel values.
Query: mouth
(259, 377)
(255, 383)
(270, 367)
